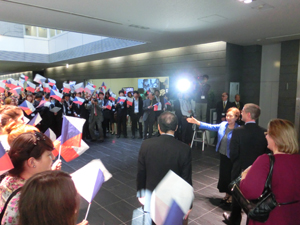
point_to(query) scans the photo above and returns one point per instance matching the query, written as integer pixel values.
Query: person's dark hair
(167, 122)
(205, 76)
(253, 109)
(38, 95)
(157, 91)
(121, 91)
(129, 93)
(47, 96)
(49, 198)
(12, 112)
(107, 95)
(25, 146)
(135, 92)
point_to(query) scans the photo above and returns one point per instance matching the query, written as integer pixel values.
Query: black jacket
(141, 111)
(159, 155)
(247, 143)
(221, 112)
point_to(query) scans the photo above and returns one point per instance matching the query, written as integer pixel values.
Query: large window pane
(30, 30)
(58, 32)
(52, 32)
(42, 32)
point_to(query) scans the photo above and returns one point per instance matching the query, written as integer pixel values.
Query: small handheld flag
(170, 203)
(30, 87)
(67, 88)
(166, 102)
(50, 134)
(72, 153)
(16, 91)
(2, 87)
(27, 107)
(79, 87)
(78, 100)
(108, 105)
(89, 89)
(24, 77)
(56, 95)
(90, 84)
(155, 106)
(51, 82)
(46, 87)
(103, 85)
(5, 162)
(88, 186)
(121, 99)
(39, 79)
(112, 96)
(35, 120)
(129, 101)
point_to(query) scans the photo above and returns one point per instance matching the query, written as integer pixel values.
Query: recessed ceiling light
(247, 1)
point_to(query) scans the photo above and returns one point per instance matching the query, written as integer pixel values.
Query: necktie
(151, 102)
(238, 105)
(224, 105)
(95, 111)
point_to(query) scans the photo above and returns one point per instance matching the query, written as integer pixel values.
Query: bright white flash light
(183, 85)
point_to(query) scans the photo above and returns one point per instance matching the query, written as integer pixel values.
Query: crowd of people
(35, 188)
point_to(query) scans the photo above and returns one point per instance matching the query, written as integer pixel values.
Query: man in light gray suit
(149, 115)
(96, 117)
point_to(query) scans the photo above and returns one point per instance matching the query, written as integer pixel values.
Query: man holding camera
(96, 117)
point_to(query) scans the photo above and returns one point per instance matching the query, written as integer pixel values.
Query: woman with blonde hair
(283, 142)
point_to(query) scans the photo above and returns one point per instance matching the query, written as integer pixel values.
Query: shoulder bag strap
(269, 178)
(6, 203)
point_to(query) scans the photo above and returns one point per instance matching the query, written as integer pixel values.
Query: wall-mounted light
(246, 1)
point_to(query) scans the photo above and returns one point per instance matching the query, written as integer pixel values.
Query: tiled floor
(116, 202)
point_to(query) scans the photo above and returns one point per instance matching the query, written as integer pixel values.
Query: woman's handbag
(258, 209)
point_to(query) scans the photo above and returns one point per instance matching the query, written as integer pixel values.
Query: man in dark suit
(149, 114)
(222, 107)
(159, 155)
(96, 117)
(136, 113)
(247, 143)
(68, 105)
(121, 108)
(238, 104)
(81, 112)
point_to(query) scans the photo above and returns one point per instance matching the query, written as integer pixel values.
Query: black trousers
(148, 124)
(121, 122)
(135, 117)
(186, 131)
(224, 174)
(105, 126)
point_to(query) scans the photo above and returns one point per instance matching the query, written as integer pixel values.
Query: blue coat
(221, 128)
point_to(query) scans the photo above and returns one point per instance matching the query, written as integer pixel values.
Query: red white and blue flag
(24, 77)
(42, 103)
(56, 95)
(90, 84)
(50, 134)
(89, 89)
(16, 91)
(108, 105)
(35, 120)
(121, 99)
(10, 83)
(166, 102)
(112, 96)
(71, 133)
(2, 87)
(30, 87)
(51, 82)
(170, 203)
(39, 79)
(54, 87)
(27, 107)
(88, 186)
(79, 87)
(46, 87)
(103, 85)
(78, 100)
(5, 162)
(155, 106)
(129, 101)
(67, 88)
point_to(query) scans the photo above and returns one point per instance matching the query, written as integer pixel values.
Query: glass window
(58, 32)
(52, 32)
(31, 31)
(42, 32)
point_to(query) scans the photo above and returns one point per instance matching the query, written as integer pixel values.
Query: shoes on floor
(227, 218)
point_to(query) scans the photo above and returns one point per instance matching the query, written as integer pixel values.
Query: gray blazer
(91, 107)
(148, 113)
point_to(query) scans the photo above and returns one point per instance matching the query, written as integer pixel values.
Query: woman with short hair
(224, 130)
(49, 198)
(283, 142)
